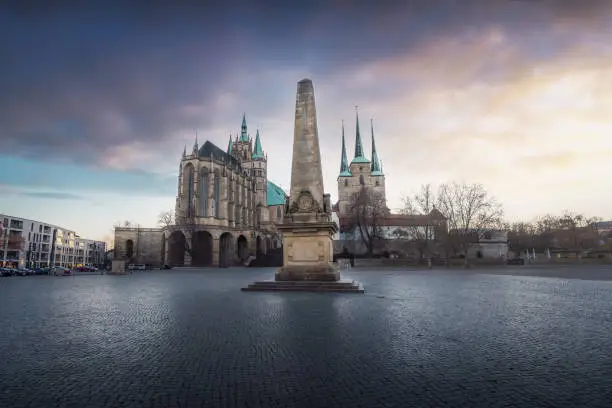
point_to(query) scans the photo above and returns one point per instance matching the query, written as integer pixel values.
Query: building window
(204, 193)
(377, 183)
(129, 248)
(278, 213)
(190, 187)
(216, 194)
(361, 180)
(345, 183)
(40, 228)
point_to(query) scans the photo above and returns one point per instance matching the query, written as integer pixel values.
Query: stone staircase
(342, 286)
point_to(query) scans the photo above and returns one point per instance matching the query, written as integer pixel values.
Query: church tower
(377, 177)
(360, 173)
(344, 179)
(259, 172)
(255, 163)
(243, 146)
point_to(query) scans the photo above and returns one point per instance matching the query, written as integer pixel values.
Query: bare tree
(523, 236)
(166, 219)
(421, 203)
(126, 224)
(367, 209)
(470, 211)
(581, 231)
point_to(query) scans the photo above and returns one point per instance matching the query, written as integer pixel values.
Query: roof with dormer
(276, 195)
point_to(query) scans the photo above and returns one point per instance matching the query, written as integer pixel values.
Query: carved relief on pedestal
(305, 203)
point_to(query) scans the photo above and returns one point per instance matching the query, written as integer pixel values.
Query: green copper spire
(376, 167)
(345, 171)
(359, 156)
(244, 137)
(258, 151)
(229, 146)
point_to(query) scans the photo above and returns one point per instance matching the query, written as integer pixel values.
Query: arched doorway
(163, 250)
(226, 250)
(201, 249)
(129, 249)
(176, 249)
(242, 249)
(258, 249)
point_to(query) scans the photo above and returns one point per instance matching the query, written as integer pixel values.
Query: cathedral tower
(255, 162)
(360, 173)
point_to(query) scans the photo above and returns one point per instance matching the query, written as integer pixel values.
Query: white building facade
(36, 244)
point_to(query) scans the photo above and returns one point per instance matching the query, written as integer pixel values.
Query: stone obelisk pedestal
(307, 227)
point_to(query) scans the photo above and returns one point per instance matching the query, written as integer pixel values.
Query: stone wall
(146, 245)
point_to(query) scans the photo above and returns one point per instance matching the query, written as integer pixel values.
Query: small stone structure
(307, 228)
(118, 267)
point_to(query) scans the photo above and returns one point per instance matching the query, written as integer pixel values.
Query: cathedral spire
(359, 156)
(344, 167)
(195, 144)
(258, 151)
(244, 137)
(229, 145)
(376, 166)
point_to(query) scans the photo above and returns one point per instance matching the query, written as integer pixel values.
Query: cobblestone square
(191, 338)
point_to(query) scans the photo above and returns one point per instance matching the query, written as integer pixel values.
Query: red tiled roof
(398, 220)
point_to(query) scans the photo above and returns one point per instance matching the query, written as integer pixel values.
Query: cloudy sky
(97, 102)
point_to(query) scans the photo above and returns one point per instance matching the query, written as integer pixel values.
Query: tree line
(470, 214)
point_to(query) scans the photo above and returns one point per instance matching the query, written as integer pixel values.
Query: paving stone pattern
(415, 339)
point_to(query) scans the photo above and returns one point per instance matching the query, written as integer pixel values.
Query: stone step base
(305, 286)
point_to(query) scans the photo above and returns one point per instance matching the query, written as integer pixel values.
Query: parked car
(41, 271)
(22, 272)
(134, 267)
(6, 272)
(61, 271)
(86, 269)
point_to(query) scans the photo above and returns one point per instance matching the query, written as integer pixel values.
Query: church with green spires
(226, 208)
(360, 172)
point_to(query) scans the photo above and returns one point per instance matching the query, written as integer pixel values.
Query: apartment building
(35, 244)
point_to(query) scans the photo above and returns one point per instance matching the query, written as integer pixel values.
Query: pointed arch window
(216, 194)
(190, 187)
(204, 193)
(345, 183)
(361, 180)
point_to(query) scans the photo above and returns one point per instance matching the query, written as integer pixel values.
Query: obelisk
(306, 171)
(307, 227)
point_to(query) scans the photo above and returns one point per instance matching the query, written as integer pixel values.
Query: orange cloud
(539, 122)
